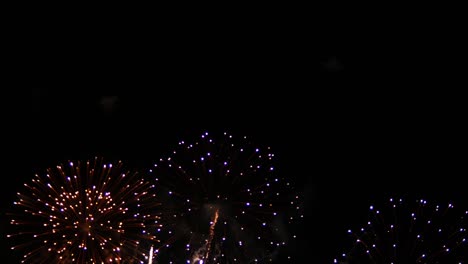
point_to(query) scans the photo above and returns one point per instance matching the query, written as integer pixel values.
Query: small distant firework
(405, 232)
(85, 212)
(226, 202)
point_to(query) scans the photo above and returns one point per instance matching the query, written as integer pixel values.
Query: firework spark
(226, 201)
(85, 212)
(404, 233)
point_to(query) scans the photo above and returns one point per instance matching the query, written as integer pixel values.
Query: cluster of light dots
(424, 233)
(89, 212)
(237, 180)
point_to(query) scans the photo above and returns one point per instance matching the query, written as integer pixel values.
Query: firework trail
(150, 258)
(85, 212)
(226, 201)
(405, 232)
(211, 235)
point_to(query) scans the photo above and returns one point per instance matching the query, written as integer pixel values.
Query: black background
(355, 116)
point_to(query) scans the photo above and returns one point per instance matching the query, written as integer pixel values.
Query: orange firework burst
(85, 212)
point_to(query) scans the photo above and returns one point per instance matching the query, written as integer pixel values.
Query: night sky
(351, 123)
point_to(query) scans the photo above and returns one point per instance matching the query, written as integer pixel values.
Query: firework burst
(85, 212)
(226, 202)
(405, 232)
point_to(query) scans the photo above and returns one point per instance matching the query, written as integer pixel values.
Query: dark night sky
(351, 119)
